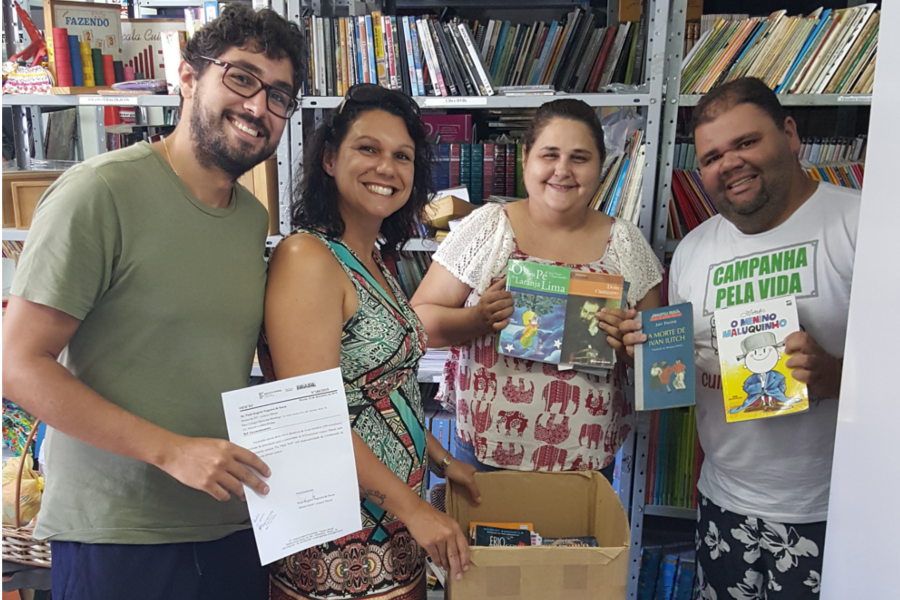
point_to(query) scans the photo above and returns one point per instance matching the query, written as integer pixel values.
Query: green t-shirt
(169, 292)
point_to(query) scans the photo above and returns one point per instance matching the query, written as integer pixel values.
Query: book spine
(378, 25)
(418, 59)
(465, 166)
(434, 68)
(499, 169)
(510, 170)
(398, 62)
(363, 47)
(454, 164)
(329, 56)
(390, 66)
(370, 41)
(476, 191)
(410, 57)
(466, 36)
(487, 174)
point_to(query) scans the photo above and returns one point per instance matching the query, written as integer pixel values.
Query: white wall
(862, 546)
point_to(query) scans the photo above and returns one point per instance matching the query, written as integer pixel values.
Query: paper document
(300, 428)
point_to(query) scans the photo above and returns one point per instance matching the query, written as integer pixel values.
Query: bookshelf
(673, 100)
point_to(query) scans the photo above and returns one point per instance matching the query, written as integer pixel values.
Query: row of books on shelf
(574, 54)
(826, 52)
(409, 270)
(427, 57)
(674, 457)
(485, 169)
(667, 572)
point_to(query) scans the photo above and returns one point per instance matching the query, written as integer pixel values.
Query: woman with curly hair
(331, 302)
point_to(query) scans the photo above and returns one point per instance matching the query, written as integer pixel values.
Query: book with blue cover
(664, 364)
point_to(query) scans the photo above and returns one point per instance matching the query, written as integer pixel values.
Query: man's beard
(211, 145)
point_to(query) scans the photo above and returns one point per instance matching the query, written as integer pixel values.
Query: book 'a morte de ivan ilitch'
(664, 364)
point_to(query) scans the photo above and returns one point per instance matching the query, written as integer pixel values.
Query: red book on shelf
(455, 153)
(510, 170)
(597, 72)
(488, 171)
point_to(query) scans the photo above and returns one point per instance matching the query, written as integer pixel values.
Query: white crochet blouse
(525, 415)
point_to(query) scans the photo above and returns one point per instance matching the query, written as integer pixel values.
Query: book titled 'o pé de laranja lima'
(755, 381)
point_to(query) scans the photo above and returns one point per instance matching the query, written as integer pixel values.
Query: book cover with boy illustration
(584, 341)
(755, 381)
(535, 329)
(664, 364)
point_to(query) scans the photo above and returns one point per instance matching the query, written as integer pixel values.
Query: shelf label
(457, 101)
(860, 99)
(108, 100)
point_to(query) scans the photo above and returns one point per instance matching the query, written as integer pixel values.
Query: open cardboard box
(440, 212)
(559, 505)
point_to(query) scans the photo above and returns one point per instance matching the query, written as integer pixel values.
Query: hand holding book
(611, 320)
(495, 306)
(810, 364)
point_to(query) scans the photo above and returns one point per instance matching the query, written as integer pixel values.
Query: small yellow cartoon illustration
(530, 321)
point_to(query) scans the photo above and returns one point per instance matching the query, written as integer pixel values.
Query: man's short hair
(746, 90)
(239, 26)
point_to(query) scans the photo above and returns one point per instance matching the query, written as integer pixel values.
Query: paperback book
(755, 381)
(664, 364)
(555, 315)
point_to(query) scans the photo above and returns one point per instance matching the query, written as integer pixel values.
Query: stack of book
(572, 55)
(427, 57)
(486, 169)
(826, 52)
(667, 572)
(622, 183)
(401, 53)
(673, 458)
(409, 270)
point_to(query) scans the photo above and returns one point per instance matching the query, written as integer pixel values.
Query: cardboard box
(439, 213)
(20, 200)
(559, 505)
(262, 182)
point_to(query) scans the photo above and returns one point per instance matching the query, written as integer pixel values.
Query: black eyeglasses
(246, 84)
(369, 94)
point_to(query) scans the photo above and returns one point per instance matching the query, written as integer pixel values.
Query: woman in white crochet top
(514, 413)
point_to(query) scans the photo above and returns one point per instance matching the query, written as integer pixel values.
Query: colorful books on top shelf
(427, 57)
(750, 338)
(825, 52)
(674, 458)
(554, 319)
(664, 364)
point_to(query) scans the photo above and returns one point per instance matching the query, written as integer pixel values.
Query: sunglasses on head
(369, 94)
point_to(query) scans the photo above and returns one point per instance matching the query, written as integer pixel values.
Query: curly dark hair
(571, 109)
(315, 194)
(239, 26)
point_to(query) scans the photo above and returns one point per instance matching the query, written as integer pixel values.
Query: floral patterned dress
(380, 350)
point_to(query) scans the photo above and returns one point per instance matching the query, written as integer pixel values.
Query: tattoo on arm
(372, 495)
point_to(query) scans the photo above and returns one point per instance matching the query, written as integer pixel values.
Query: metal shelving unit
(14, 235)
(90, 100)
(800, 99)
(674, 512)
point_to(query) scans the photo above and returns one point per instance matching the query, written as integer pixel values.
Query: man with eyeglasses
(136, 303)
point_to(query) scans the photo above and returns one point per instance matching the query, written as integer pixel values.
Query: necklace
(168, 156)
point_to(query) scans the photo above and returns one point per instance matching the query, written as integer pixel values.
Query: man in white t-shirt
(764, 483)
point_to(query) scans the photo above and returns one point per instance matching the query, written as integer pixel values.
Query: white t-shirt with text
(776, 468)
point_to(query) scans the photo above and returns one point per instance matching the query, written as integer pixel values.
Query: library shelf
(671, 511)
(482, 102)
(801, 99)
(11, 234)
(421, 245)
(90, 100)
